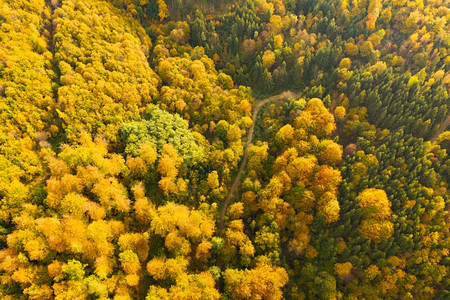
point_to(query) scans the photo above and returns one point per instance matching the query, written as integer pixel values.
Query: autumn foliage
(126, 124)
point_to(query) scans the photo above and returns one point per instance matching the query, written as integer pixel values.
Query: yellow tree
(168, 168)
(339, 113)
(376, 201)
(377, 226)
(256, 156)
(163, 10)
(316, 119)
(268, 58)
(278, 41)
(262, 282)
(331, 153)
(285, 134)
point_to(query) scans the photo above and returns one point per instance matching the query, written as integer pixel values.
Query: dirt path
(441, 128)
(284, 95)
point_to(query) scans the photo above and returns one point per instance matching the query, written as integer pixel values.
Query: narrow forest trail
(284, 95)
(442, 128)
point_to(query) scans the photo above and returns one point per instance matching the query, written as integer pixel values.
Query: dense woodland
(123, 124)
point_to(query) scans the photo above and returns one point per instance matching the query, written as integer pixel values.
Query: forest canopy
(259, 149)
(160, 128)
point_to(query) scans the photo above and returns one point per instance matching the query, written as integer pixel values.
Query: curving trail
(284, 95)
(442, 128)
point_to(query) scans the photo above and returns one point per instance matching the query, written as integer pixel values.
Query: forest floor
(442, 128)
(257, 107)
